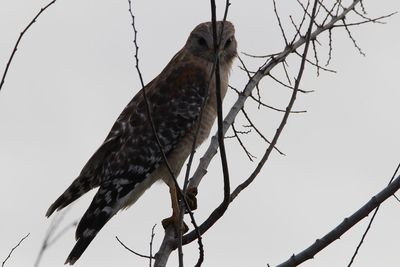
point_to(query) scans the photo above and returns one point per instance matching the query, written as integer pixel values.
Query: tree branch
(12, 250)
(19, 40)
(132, 251)
(343, 227)
(255, 79)
(370, 223)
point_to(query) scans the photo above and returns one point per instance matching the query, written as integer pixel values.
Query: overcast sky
(74, 73)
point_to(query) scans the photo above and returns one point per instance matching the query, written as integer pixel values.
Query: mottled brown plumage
(129, 161)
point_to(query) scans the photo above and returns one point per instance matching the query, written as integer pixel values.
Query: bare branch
(151, 245)
(249, 75)
(269, 106)
(61, 233)
(329, 12)
(369, 20)
(315, 56)
(258, 56)
(343, 227)
(298, 28)
(352, 38)
(279, 23)
(251, 178)
(248, 154)
(12, 250)
(292, 88)
(19, 40)
(259, 133)
(370, 223)
(330, 49)
(305, 9)
(363, 8)
(139, 254)
(284, 63)
(51, 237)
(315, 64)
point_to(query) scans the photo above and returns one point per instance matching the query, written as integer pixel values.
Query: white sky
(74, 73)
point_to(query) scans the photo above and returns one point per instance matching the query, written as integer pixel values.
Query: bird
(181, 100)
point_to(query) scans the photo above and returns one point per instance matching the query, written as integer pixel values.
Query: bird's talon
(191, 199)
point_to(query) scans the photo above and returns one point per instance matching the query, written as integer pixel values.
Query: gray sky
(74, 73)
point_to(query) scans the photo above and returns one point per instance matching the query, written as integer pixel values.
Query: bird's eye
(228, 42)
(202, 42)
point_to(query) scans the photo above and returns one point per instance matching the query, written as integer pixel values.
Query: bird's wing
(175, 102)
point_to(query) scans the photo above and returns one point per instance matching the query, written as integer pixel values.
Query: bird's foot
(191, 199)
(174, 221)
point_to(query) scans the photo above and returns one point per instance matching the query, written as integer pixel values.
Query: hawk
(130, 160)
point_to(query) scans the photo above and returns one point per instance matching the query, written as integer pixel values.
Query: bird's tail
(104, 205)
(79, 186)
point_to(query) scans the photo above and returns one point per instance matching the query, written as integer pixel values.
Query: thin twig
(61, 233)
(330, 12)
(259, 133)
(339, 5)
(330, 49)
(51, 237)
(248, 154)
(290, 87)
(269, 106)
(19, 39)
(315, 56)
(284, 63)
(315, 64)
(279, 23)
(369, 20)
(260, 56)
(12, 250)
(352, 38)
(148, 110)
(305, 9)
(363, 8)
(249, 75)
(298, 28)
(151, 245)
(132, 251)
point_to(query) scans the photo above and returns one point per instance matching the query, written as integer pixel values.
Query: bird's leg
(175, 218)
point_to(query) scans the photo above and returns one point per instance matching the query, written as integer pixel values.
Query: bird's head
(201, 42)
